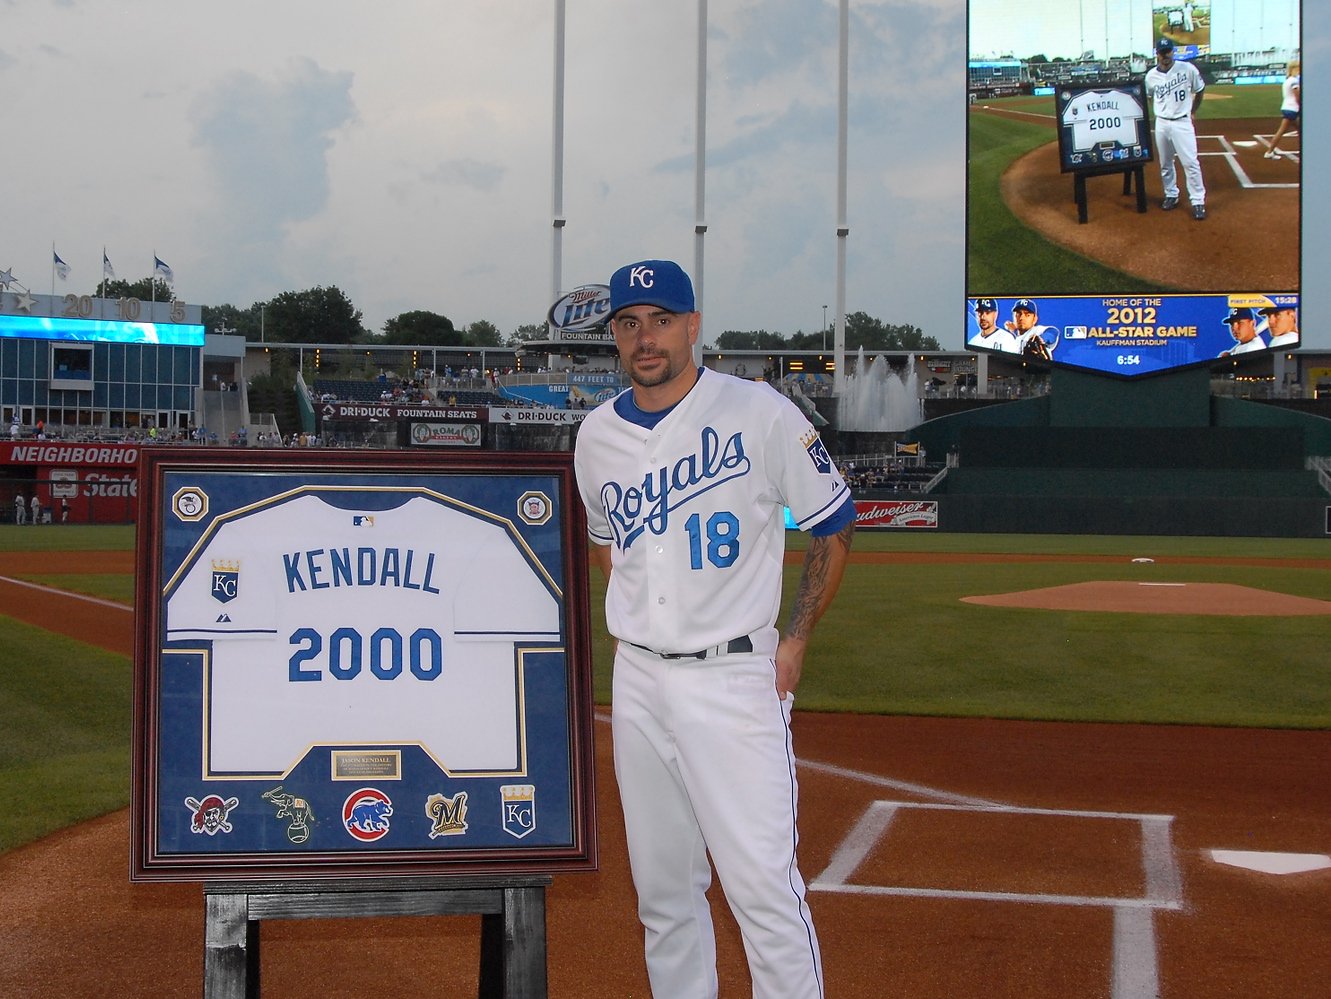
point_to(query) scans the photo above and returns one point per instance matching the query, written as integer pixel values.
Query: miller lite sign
(582, 311)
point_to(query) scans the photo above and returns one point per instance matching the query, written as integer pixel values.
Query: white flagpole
(152, 282)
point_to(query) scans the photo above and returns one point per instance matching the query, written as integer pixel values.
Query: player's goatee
(666, 372)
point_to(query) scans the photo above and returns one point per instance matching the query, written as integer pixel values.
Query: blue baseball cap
(1165, 45)
(662, 283)
(986, 305)
(1025, 303)
(1236, 314)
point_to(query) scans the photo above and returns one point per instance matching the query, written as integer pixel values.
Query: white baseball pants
(704, 763)
(1177, 138)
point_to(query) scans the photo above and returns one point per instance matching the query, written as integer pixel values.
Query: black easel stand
(512, 909)
(1128, 172)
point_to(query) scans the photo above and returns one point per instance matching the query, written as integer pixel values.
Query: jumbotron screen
(1182, 244)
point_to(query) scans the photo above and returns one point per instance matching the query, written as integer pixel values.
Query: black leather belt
(741, 644)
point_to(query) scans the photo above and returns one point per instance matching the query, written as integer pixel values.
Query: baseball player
(1033, 340)
(685, 476)
(1243, 328)
(1282, 325)
(1176, 93)
(991, 335)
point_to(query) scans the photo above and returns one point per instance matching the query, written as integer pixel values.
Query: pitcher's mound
(1158, 598)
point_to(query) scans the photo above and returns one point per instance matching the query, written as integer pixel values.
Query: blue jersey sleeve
(845, 514)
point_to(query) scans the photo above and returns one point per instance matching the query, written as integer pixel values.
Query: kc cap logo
(662, 283)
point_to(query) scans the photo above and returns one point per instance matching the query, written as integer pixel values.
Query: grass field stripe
(65, 593)
(1136, 972)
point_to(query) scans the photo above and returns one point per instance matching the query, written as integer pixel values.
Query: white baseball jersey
(397, 637)
(998, 339)
(1172, 92)
(1097, 116)
(1289, 100)
(693, 509)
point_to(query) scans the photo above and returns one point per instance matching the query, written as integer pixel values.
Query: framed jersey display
(1102, 126)
(354, 663)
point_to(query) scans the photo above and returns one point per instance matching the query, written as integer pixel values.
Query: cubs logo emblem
(365, 814)
(210, 814)
(518, 802)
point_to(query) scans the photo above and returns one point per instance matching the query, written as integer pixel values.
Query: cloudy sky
(402, 151)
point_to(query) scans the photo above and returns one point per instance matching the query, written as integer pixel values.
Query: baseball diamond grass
(898, 640)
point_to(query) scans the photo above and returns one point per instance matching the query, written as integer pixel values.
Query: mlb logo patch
(817, 451)
(362, 520)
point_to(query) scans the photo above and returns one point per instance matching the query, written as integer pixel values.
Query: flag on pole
(61, 268)
(161, 270)
(107, 270)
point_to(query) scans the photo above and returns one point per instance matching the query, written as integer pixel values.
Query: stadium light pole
(824, 328)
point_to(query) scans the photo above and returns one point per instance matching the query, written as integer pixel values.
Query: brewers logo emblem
(519, 809)
(448, 816)
(210, 814)
(225, 586)
(365, 814)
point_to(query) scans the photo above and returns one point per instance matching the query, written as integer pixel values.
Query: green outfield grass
(898, 640)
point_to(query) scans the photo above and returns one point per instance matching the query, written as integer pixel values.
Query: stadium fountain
(878, 399)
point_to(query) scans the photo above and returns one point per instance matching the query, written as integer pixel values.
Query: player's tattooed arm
(824, 564)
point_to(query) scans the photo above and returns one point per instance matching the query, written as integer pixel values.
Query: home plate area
(1116, 861)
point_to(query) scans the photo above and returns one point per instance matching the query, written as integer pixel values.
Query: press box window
(71, 367)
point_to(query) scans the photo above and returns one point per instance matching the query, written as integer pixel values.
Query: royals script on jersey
(323, 625)
(1171, 92)
(694, 510)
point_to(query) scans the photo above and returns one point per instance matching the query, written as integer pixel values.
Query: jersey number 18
(722, 539)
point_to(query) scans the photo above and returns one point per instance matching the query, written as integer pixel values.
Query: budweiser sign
(896, 513)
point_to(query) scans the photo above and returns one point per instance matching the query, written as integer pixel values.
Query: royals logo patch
(225, 585)
(519, 809)
(817, 451)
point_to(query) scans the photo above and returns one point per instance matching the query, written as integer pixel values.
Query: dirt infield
(947, 858)
(1249, 241)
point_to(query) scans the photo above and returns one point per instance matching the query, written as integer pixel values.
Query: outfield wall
(1155, 456)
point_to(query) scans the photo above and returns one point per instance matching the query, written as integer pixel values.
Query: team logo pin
(448, 816)
(210, 814)
(296, 809)
(518, 802)
(365, 814)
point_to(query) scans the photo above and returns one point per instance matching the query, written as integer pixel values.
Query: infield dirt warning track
(946, 857)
